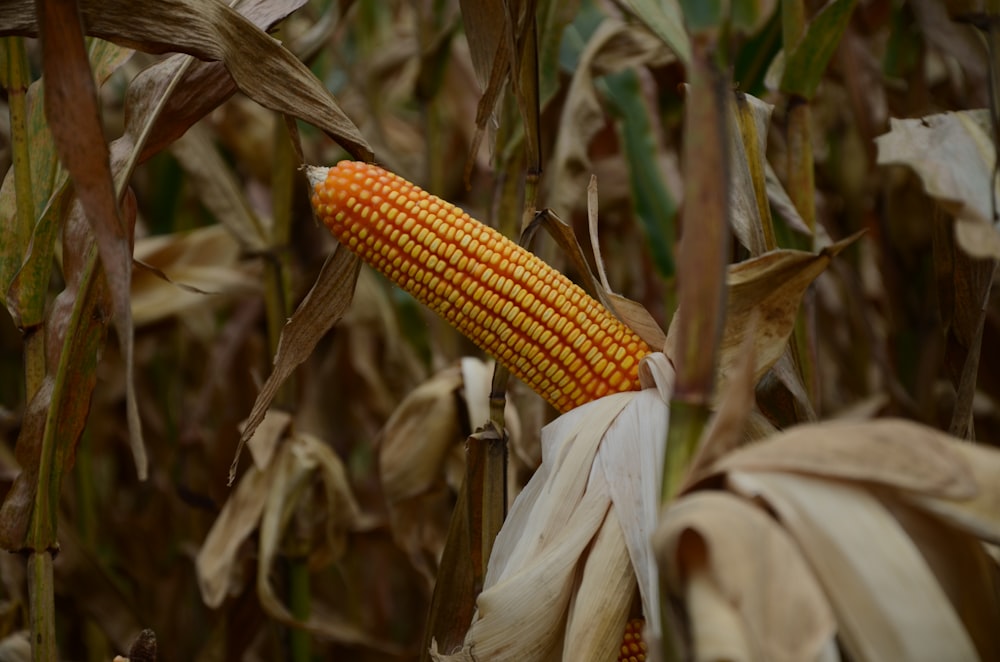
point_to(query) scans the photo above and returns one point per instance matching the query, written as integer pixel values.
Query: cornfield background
(157, 234)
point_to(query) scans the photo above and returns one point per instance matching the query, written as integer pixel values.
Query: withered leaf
(757, 568)
(326, 303)
(261, 67)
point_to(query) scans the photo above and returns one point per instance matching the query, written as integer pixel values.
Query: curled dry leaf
(310, 486)
(218, 189)
(216, 562)
(766, 590)
(421, 464)
(326, 303)
(193, 269)
(614, 46)
(888, 604)
(418, 436)
(772, 287)
(260, 66)
(980, 514)
(893, 453)
(954, 157)
(306, 483)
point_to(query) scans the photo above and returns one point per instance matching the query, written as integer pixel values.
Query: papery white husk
(601, 463)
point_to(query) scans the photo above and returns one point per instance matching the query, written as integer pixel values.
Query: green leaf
(653, 203)
(805, 66)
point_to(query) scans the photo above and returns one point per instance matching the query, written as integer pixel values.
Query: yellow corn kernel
(507, 301)
(633, 647)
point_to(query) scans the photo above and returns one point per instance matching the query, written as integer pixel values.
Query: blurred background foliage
(226, 247)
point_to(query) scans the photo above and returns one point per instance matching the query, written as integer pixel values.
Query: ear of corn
(545, 329)
(633, 647)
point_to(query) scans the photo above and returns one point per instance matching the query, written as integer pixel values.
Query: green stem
(41, 605)
(687, 421)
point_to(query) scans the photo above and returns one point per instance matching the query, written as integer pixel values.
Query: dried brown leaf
(187, 89)
(894, 453)
(418, 436)
(73, 117)
(262, 68)
(759, 572)
(311, 486)
(954, 157)
(980, 514)
(887, 602)
(218, 189)
(613, 47)
(326, 303)
(771, 286)
(268, 436)
(185, 271)
(216, 563)
(964, 569)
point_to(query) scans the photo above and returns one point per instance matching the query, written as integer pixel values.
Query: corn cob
(633, 647)
(545, 329)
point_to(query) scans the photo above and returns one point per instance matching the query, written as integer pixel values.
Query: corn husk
(575, 545)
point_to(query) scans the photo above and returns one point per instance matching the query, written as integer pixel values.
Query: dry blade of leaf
(893, 453)
(954, 157)
(240, 517)
(303, 463)
(980, 514)
(268, 436)
(614, 46)
(887, 602)
(73, 116)
(218, 189)
(263, 70)
(772, 286)
(326, 303)
(782, 204)
(183, 271)
(964, 569)
(760, 573)
(751, 217)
